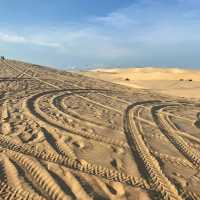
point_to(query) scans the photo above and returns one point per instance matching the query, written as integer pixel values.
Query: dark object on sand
(197, 123)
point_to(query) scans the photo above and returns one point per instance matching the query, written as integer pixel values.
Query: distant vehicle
(190, 80)
(2, 58)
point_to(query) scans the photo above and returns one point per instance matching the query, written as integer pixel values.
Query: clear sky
(96, 33)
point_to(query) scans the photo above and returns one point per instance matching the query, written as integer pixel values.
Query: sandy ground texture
(65, 136)
(171, 81)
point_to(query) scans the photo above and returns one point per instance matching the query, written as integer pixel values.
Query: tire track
(43, 107)
(31, 106)
(10, 193)
(60, 88)
(8, 172)
(11, 185)
(156, 178)
(58, 102)
(79, 192)
(109, 174)
(78, 86)
(21, 71)
(171, 114)
(40, 177)
(167, 129)
(173, 160)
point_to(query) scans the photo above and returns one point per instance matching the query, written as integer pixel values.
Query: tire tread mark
(167, 129)
(40, 176)
(157, 179)
(109, 174)
(32, 108)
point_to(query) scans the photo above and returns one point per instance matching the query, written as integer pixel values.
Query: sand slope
(64, 136)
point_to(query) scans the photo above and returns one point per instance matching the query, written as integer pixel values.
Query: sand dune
(172, 81)
(65, 136)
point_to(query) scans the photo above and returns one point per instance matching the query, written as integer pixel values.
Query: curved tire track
(31, 106)
(156, 178)
(167, 129)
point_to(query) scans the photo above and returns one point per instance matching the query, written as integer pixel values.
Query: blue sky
(92, 33)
